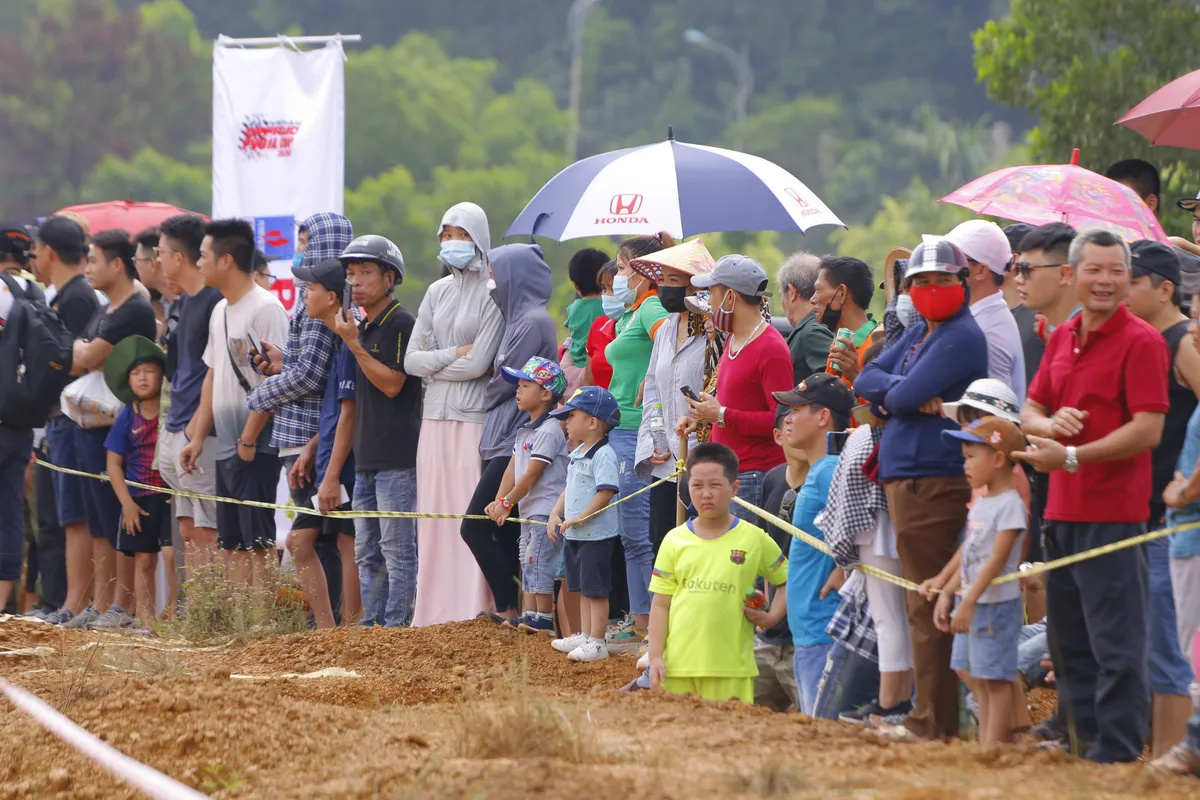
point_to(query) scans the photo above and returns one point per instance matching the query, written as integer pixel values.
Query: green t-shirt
(580, 316)
(707, 634)
(629, 357)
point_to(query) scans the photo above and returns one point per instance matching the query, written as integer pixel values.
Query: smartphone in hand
(256, 343)
(689, 393)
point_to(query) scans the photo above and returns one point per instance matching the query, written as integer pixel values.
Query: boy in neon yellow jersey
(700, 640)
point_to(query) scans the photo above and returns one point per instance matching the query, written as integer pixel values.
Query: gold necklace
(753, 334)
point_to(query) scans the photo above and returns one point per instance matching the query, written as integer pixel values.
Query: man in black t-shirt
(110, 269)
(16, 444)
(386, 428)
(59, 251)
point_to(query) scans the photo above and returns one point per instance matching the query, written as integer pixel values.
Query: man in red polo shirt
(1095, 411)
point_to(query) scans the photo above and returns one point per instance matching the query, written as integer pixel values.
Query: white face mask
(906, 311)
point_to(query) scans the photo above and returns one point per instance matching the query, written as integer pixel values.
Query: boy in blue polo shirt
(592, 482)
(540, 461)
(328, 461)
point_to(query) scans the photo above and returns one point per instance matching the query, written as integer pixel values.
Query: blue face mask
(622, 291)
(297, 259)
(457, 254)
(613, 308)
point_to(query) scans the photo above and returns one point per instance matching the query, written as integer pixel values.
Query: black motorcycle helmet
(380, 249)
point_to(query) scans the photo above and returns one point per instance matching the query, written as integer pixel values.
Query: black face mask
(671, 298)
(830, 318)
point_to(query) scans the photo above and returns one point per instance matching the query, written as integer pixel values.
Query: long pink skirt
(450, 586)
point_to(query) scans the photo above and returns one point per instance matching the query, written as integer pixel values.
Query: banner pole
(281, 40)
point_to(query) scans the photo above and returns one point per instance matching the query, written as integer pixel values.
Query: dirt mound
(418, 665)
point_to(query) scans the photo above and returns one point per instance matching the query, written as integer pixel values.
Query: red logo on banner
(262, 137)
(625, 205)
(285, 290)
(275, 238)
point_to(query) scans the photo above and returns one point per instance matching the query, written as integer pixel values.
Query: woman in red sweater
(756, 363)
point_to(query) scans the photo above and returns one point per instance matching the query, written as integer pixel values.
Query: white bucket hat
(989, 395)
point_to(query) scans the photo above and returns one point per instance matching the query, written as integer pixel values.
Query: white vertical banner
(279, 142)
(279, 150)
(279, 131)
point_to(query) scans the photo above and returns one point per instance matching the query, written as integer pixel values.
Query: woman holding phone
(680, 363)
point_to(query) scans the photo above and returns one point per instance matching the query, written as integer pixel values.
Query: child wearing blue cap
(583, 518)
(540, 461)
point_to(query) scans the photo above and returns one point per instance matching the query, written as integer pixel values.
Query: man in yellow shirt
(700, 640)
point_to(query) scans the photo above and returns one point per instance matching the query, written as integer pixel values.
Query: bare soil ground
(464, 711)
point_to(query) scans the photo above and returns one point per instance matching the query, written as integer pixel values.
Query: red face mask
(938, 303)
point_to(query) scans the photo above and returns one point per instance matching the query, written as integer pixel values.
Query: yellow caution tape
(335, 514)
(1037, 569)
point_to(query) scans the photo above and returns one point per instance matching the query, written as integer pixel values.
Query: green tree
(86, 80)
(149, 175)
(1079, 65)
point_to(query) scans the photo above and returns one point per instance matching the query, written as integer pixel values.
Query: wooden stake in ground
(680, 508)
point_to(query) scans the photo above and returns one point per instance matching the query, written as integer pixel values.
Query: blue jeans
(635, 523)
(808, 664)
(1169, 671)
(750, 489)
(385, 549)
(1032, 647)
(68, 489)
(848, 681)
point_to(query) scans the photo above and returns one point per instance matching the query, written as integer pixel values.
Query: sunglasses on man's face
(1025, 269)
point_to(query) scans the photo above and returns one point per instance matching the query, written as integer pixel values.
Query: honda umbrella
(1044, 193)
(1170, 116)
(128, 214)
(671, 186)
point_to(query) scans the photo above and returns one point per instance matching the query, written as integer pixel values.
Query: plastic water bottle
(658, 429)
(755, 598)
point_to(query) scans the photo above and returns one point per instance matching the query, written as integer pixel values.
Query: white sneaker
(570, 643)
(589, 651)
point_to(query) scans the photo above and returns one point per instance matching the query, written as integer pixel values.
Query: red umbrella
(1171, 116)
(127, 214)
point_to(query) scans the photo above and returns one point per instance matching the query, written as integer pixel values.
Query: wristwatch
(1072, 462)
(721, 417)
(504, 501)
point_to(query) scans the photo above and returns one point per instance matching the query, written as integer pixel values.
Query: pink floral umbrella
(1042, 193)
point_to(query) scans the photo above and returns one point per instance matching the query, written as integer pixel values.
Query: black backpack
(35, 360)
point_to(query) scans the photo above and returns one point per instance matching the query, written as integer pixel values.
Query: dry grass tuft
(218, 609)
(518, 721)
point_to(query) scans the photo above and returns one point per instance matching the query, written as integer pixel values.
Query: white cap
(989, 395)
(984, 242)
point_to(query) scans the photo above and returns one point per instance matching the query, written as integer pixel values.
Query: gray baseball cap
(737, 272)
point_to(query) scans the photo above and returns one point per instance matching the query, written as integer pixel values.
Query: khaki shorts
(775, 686)
(202, 480)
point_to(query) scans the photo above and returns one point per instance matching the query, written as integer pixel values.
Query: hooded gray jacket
(457, 310)
(523, 287)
